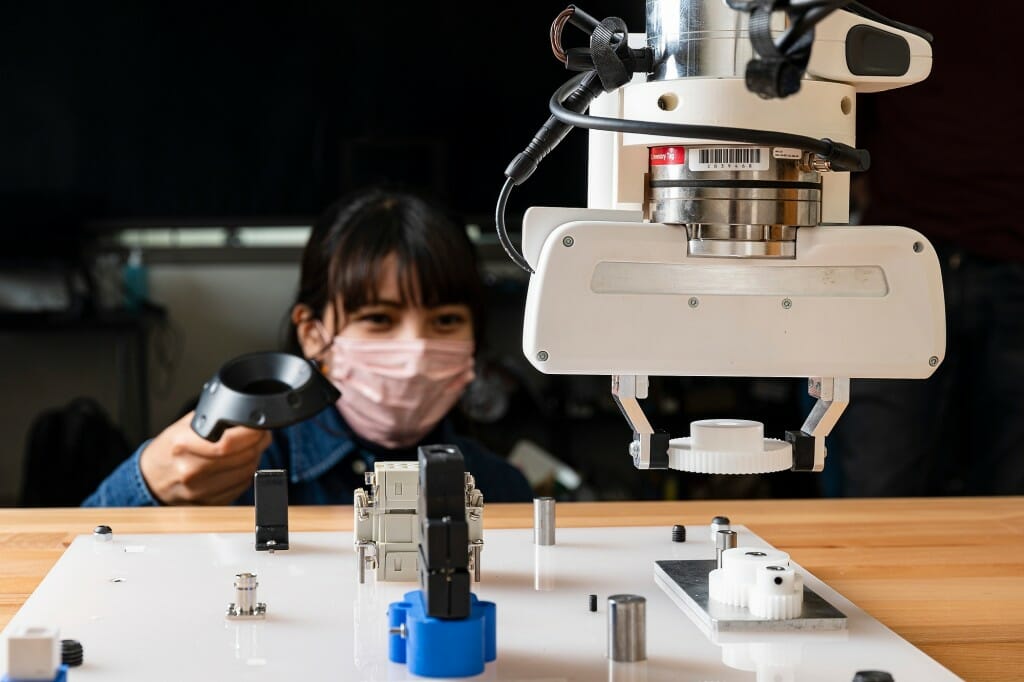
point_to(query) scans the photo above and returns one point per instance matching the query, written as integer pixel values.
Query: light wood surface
(947, 574)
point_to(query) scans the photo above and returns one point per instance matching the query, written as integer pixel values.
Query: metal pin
(627, 628)
(361, 549)
(476, 547)
(544, 520)
(245, 592)
(726, 539)
(719, 523)
(245, 605)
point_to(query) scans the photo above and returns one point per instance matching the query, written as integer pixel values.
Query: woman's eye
(448, 320)
(375, 319)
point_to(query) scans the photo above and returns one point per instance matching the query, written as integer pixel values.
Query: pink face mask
(393, 392)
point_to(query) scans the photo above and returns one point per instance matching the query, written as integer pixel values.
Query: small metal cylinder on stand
(726, 539)
(245, 592)
(544, 521)
(246, 605)
(627, 628)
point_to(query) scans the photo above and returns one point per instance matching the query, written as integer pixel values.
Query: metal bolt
(592, 603)
(634, 449)
(400, 631)
(678, 533)
(918, 247)
(542, 356)
(718, 523)
(567, 241)
(787, 303)
(103, 533)
(693, 302)
(933, 361)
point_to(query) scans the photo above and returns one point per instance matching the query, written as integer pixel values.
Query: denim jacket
(325, 463)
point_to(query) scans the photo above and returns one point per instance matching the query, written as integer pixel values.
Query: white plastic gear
(729, 446)
(726, 591)
(777, 593)
(777, 456)
(732, 584)
(775, 606)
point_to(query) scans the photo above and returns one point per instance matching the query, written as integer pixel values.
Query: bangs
(434, 259)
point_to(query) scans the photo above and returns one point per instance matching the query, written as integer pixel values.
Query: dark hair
(344, 255)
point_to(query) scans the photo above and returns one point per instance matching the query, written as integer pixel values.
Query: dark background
(190, 112)
(128, 114)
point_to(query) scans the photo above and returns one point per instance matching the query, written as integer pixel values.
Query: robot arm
(716, 240)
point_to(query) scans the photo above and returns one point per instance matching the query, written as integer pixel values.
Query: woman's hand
(182, 468)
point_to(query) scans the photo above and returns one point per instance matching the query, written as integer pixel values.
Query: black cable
(499, 223)
(585, 89)
(842, 157)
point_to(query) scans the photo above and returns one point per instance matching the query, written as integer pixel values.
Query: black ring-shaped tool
(262, 391)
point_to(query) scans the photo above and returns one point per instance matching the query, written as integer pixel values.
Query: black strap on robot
(778, 70)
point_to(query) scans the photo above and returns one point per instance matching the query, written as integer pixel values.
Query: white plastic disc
(729, 446)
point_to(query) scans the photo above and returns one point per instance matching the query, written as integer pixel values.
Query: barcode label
(729, 158)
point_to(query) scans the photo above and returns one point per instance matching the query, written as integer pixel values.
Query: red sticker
(668, 156)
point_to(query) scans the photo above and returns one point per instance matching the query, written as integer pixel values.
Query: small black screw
(102, 530)
(721, 520)
(592, 602)
(71, 652)
(678, 533)
(872, 676)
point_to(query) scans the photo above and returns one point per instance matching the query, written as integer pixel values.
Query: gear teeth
(777, 456)
(775, 606)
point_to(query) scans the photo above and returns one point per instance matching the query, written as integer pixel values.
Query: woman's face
(389, 318)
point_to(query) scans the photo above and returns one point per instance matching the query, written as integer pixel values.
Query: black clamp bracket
(270, 488)
(444, 532)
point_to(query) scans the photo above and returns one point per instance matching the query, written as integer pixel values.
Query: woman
(390, 306)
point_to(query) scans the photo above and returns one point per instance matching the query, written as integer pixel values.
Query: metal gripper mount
(832, 395)
(649, 448)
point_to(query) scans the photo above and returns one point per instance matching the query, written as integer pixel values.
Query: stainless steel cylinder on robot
(726, 540)
(627, 628)
(697, 39)
(735, 200)
(543, 520)
(245, 593)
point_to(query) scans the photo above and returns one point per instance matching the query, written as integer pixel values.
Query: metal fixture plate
(686, 583)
